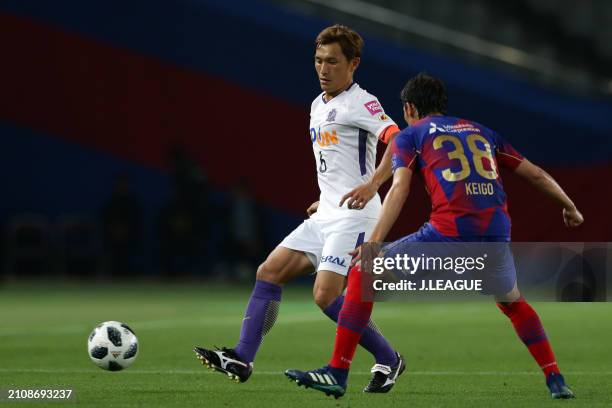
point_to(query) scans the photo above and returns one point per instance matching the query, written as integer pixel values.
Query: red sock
(529, 328)
(352, 321)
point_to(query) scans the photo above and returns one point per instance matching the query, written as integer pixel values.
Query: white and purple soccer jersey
(344, 133)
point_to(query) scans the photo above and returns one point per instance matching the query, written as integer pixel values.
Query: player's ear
(355, 63)
(412, 111)
(405, 107)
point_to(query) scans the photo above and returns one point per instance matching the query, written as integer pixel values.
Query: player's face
(335, 72)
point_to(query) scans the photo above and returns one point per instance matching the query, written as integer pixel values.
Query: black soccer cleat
(558, 388)
(385, 376)
(225, 361)
(321, 379)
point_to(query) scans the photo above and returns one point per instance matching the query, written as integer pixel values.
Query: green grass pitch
(458, 354)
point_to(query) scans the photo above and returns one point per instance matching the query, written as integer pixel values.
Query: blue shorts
(499, 276)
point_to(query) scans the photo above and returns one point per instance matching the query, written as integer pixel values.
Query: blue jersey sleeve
(404, 150)
(506, 155)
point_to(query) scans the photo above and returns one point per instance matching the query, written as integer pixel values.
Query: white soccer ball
(112, 346)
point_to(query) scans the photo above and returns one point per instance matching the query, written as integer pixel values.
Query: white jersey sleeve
(367, 113)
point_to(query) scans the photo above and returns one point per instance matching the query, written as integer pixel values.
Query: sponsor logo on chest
(324, 138)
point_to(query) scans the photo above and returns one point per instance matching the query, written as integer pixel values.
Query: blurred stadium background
(167, 140)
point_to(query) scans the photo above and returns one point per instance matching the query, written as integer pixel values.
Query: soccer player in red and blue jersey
(459, 161)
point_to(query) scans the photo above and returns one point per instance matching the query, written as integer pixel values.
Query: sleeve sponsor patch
(373, 107)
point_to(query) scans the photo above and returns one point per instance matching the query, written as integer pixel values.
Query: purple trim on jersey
(323, 94)
(363, 139)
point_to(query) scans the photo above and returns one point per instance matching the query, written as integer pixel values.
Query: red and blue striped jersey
(459, 161)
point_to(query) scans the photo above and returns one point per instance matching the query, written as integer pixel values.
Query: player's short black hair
(426, 93)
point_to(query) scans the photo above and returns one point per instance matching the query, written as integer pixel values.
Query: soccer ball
(112, 346)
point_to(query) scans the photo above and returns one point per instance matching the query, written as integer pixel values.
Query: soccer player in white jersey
(346, 123)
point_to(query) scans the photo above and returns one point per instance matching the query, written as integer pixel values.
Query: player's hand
(356, 254)
(312, 209)
(359, 196)
(370, 249)
(572, 217)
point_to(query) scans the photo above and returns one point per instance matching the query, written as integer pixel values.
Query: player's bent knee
(509, 297)
(325, 297)
(268, 274)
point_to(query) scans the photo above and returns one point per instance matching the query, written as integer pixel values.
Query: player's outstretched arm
(392, 206)
(360, 195)
(546, 184)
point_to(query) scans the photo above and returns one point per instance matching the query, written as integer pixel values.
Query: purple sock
(259, 317)
(371, 339)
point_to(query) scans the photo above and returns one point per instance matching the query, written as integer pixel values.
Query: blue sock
(371, 339)
(259, 317)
